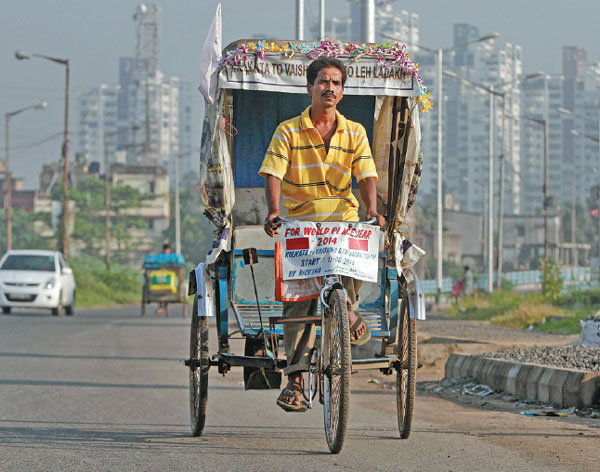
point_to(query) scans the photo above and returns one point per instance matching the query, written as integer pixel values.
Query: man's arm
(368, 194)
(272, 194)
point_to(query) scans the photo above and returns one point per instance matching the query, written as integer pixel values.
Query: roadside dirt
(564, 443)
(439, 337)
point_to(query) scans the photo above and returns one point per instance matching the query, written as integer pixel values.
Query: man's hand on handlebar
(271, 224)
(379, 219)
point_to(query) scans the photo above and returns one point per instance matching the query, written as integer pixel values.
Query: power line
(36, 144)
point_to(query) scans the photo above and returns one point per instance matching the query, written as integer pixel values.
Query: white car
(36, 279)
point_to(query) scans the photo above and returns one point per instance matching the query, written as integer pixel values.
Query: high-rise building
(147, 117)
(581, 96)
(540, 99)
(98, 115)
(403, 25)
(466, 119)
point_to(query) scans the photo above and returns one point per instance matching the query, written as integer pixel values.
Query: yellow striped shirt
(317, 185)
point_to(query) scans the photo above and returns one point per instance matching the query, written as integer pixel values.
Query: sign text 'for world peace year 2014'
(314, 249)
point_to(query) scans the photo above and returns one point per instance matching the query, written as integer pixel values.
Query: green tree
(26, 231)
(552, 279)
(89, 228)
(125, 203)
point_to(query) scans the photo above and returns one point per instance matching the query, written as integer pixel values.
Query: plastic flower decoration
(387, 55)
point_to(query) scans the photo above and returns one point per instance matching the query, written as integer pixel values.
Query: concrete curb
(550, 385)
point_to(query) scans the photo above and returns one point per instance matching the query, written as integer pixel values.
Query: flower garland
(388, 54)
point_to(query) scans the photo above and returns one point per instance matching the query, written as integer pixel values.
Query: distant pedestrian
(163, 307)
(468, 281)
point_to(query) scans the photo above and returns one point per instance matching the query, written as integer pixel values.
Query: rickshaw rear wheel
(198, 372)
(406, 372)
(336, 364)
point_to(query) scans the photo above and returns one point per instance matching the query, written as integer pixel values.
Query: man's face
(327, 91)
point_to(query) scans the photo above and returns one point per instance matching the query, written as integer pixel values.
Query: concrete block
(462, 367)
(450, 366)
(503, 376)
(521, 380)
(467, 367)
(557, 383)
(511, 378)
(488, 372)
(589, 390)
(532, 381)
(571, 388)
(476, 367)
(544, 385)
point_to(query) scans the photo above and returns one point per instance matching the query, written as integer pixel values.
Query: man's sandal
(295, 394)
(365, 336)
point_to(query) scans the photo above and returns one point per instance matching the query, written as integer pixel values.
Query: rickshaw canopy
(261, 83)
(280, 66)
(159, 261)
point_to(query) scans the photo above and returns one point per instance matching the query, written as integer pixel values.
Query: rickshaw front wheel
(336, 364)
(406, 371)
(198, 371)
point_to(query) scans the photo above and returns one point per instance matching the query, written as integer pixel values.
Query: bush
(552, 280)
(97, 285)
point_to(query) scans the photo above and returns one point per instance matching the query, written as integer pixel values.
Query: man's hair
(322, 62)
(166, 246)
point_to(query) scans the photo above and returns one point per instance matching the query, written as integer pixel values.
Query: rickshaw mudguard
(416, 295)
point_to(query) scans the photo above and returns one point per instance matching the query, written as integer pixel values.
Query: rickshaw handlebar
(282, 219)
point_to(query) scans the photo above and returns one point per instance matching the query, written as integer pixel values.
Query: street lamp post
(177, 208)
(106, 201)
(490, 250)
(20, 55)
(564, 111)
(544, 124)
(7, 173)
(439, 218)
(502, 172)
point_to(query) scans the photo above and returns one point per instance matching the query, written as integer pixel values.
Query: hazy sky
(94, 34)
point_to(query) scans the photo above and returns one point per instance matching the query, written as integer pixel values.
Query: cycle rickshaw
(164, 281)
(260, 84)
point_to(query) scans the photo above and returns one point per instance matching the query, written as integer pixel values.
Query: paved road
(105, 390)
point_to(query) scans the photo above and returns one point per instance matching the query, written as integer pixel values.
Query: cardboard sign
(315, 249)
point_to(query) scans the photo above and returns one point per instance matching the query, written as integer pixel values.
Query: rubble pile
(568, 357)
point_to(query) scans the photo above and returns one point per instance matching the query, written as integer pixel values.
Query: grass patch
(567, 324)
(511, 309)
(98, 286)
(526, 314)
(484, 307)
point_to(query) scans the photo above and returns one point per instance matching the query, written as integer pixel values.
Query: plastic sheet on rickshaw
(158, 261)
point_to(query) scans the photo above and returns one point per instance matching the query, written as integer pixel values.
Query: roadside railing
(524, 280)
